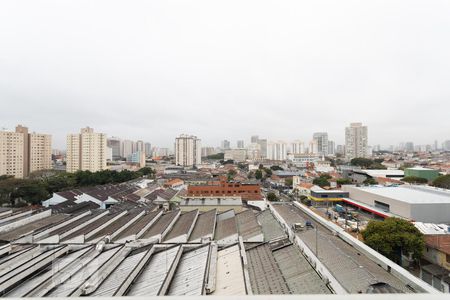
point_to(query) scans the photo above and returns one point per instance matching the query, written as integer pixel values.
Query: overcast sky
(151, 70)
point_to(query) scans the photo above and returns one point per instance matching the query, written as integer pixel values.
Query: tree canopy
(442, 181)
(367, 163)
(217, 156)
(394, 236)
(414, 179)
(322, 181)
(272, 197)
(276, 168)
(342, 181)
(41, 186)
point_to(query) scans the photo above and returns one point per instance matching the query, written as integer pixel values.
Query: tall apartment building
(240, 144)
(206, 151)
(356, 141)
(86, 151)
(297, 147)
(139, 146)
(22, 153)
(188, 150)
(321, 139)
(127, 148)
(277, 150)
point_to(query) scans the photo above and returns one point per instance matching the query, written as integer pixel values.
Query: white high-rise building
(356, 141)
(225, 145)
(313, 147)
(321, 139)
(188, 150)
(277, 150)
(148, 149)
(140, 147)
(240, 144)
(127, 148)
(86, 151)
(297, 147)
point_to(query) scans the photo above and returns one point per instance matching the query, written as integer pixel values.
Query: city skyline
(158, 71)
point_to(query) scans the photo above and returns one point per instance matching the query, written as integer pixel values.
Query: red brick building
(247, 191)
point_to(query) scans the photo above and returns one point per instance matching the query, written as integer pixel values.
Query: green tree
(342, 181)
(361, 162)
(394, 236)
(414, 179)
(231, 174)
(442, 181)
(217, 156)
(146, 171)
(276, 168)
(288, 181)
(321, 181)
(370, 181)
(272, 197)
(258, 174)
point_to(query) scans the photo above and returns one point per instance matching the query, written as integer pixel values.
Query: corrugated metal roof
(230, 274)
(190, 276)
(153, 275)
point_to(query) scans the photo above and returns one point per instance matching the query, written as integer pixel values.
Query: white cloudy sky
(227, 69)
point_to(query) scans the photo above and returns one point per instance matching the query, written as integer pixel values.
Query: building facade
(356, 141)
(22, 153)
(238, 155)
(188, 151)
(321, 139)
(277, 150)
(115, 145)
(86, 151)
(225, 188)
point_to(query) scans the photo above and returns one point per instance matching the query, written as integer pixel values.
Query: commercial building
(418, 203)
(238, 155)
(303, 160)
(240, 144)
(421, 172)
(277, 150)
(217, 188)
(188, 151)
(356, 141)
(86, 151)
(22, 153)
(321, 138)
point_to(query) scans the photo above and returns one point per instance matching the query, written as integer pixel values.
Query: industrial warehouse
(140, 249)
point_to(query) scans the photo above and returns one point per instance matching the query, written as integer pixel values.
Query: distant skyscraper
(446, 145)
(148, 149)
(86, 151)
(188, 151)
(207, 151)
(356, 141)
(297, 147)
(22, 153)
(254, 139)
(127, 148)
(225, 145)
(277, 150)
(240, 144)
(321, 139)
(409, 147)
(140, 146)
(263, 145)
(331, 148)
(114, 143)
(313, 147)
